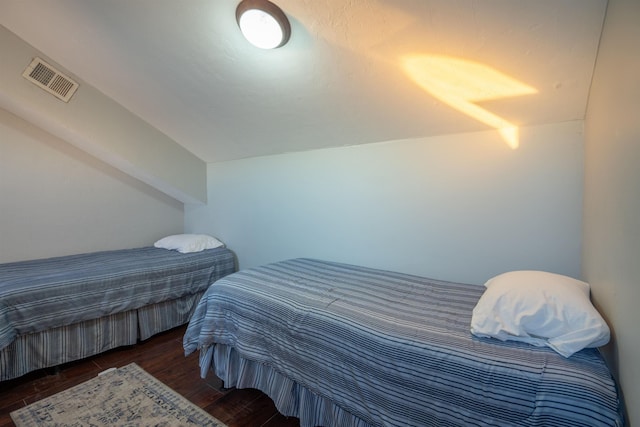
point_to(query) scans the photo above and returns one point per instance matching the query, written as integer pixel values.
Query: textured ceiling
(354, 72)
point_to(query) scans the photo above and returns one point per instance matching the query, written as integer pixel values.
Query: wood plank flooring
(163, 357)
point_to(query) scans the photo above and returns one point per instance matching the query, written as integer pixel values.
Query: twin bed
(57, 310)
(340, 345)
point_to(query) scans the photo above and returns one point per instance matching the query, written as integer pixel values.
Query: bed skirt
(289, 397)
(65, 344)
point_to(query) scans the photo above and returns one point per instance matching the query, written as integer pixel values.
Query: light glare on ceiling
(263, 23)
(462, 83)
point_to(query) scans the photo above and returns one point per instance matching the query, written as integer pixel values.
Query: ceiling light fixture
(263, 23)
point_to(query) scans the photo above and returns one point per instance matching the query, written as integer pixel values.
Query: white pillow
(186, 243)
(539, 308)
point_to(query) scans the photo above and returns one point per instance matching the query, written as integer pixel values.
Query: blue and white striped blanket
(40, 294)
(395, 349)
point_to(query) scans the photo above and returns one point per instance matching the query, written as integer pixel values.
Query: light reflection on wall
(461, 83)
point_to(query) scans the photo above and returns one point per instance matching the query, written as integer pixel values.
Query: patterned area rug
(125, 396)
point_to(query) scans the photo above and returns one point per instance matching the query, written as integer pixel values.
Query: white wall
(611, 254)
(99, 126)
(57, 200)
(460, 207)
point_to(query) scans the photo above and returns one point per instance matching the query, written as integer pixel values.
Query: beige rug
(127, 396)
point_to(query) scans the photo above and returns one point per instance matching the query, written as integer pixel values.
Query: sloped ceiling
(354, 72)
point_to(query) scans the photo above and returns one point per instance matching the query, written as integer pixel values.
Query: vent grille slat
(42, 74)
(48, 78)
(61, 85)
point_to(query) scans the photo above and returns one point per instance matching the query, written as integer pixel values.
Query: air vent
(50, 79)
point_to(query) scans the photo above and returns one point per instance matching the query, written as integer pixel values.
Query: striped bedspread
(47, 293)
(393, 350)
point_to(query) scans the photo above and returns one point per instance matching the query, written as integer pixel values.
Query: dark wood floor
(162, 356)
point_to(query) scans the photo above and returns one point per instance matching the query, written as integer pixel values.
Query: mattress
(37, 295)
(378, 348)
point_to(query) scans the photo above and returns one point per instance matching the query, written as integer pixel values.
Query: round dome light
(263, 23)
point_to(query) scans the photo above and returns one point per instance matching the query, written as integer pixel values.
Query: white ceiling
(184, 67)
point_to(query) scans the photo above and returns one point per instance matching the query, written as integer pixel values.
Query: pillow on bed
(543, 309)
(186, 243)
